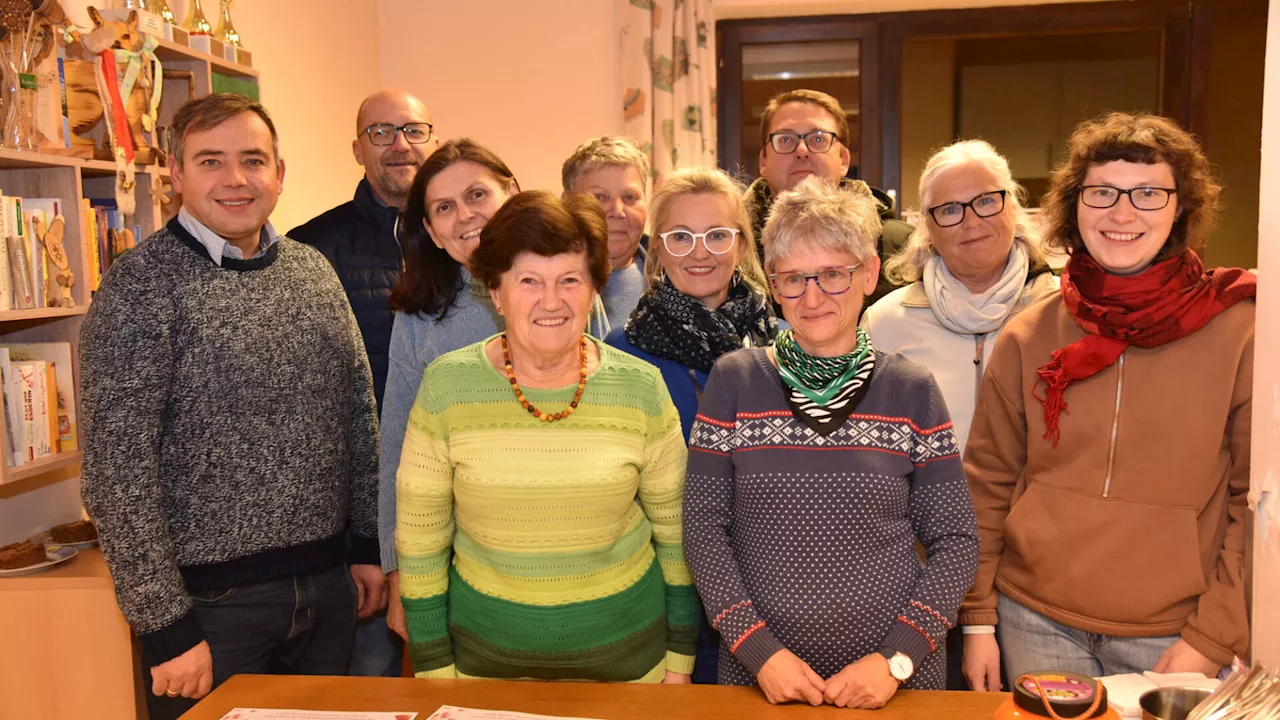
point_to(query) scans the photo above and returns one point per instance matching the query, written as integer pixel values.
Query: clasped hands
(865, 684)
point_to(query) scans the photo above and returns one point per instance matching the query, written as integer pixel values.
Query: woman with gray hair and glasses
(971, 264)
(814, 467)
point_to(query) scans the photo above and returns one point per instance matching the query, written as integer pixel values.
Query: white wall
(1266, 383)
(530, 81)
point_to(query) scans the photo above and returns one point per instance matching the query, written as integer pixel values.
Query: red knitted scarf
(1167, 301)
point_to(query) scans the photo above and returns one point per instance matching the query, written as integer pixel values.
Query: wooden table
(65, 649)
(589, 700)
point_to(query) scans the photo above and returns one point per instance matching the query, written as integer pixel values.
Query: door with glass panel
(758, 61)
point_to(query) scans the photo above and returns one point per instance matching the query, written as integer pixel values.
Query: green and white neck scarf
(823, 392)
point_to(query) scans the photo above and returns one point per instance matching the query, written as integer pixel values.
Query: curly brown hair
(1136, 138)
(546, 224)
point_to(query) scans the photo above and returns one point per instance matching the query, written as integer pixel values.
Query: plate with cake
(79, 535)
(22, 558)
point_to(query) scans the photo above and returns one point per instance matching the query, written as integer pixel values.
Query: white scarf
(960, 310)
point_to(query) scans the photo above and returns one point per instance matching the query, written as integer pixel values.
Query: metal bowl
(1171, 703)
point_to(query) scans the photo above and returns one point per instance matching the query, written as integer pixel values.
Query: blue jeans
(1030, 641)
(300, 625)
(376, 652)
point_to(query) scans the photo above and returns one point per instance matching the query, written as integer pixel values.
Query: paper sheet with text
(449, 712)
(277, 714)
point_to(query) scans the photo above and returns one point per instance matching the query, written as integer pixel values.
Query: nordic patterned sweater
(544, 550)
(230, 426)
(807, 542)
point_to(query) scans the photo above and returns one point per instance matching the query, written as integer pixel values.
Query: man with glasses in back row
(359, 238)
(803, 133)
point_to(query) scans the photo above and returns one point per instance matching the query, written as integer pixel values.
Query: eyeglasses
(832, 281)
(818, 141)
(984, 205)
(383, 134)
(1142, 198)
(717, 241)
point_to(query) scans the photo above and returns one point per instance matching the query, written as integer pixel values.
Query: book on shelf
(39, 401)
(64, 430)
(26, 266)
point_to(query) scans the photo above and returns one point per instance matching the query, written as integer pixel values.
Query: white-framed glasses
(717, 241)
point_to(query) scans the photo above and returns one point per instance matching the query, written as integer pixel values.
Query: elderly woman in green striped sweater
(538, 514)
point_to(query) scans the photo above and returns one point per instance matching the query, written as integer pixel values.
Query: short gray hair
(605, 151)
(823, 214)
(907, 265)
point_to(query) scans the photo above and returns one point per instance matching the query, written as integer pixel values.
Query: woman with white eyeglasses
(707, 297)
(815, 466)
(707, 293)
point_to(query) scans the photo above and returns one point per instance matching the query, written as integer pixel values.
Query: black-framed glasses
(717, 241)
(984, 205)
(382, 134)
(1102, 197)
(818, 141)
(832, 281)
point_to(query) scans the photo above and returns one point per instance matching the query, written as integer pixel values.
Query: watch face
(901, 667)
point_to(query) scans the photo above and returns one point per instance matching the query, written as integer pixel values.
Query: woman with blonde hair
(708, 294)
(707, 297)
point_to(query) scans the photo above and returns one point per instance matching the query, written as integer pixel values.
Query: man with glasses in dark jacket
(393, 136)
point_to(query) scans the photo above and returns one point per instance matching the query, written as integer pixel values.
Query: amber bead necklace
(524, 402)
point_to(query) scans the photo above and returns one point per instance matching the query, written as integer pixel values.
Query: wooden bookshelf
(58, 173)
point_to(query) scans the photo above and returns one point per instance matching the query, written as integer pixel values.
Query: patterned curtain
(669, 81)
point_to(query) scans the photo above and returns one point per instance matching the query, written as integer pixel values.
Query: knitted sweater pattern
(230, 424)
(808, 541)
(544, 550)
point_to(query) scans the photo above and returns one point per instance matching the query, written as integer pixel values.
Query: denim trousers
(1030, 641)
(299, 625)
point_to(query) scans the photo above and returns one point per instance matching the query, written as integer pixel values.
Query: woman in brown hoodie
(1109, 455)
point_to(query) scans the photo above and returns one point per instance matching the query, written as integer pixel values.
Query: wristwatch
(900, 665)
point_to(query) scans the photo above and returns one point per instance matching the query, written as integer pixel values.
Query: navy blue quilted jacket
(360, 242)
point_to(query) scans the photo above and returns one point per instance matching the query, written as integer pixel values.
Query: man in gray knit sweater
(230, 428)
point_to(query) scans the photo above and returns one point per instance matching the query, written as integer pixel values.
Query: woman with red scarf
(1109, 455)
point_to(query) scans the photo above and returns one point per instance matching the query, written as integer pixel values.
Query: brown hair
(432, 278)
(1141, 138)
(811, 97)
(545, 224)
(211, 111)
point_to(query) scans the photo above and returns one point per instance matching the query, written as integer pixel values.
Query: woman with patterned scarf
(1109, 455)
(707, 298)
(815, 466)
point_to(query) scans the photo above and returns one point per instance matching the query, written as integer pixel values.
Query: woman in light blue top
(438, 307)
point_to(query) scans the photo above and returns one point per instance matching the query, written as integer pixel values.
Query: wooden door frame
(731, 35)
(1171, 17)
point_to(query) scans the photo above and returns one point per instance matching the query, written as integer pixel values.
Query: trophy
(196, 23)
(226, 31)
(161, 8)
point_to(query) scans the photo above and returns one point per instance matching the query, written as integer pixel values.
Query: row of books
(105, 238)
(25, 271)
(27, 277)
(39, 401)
